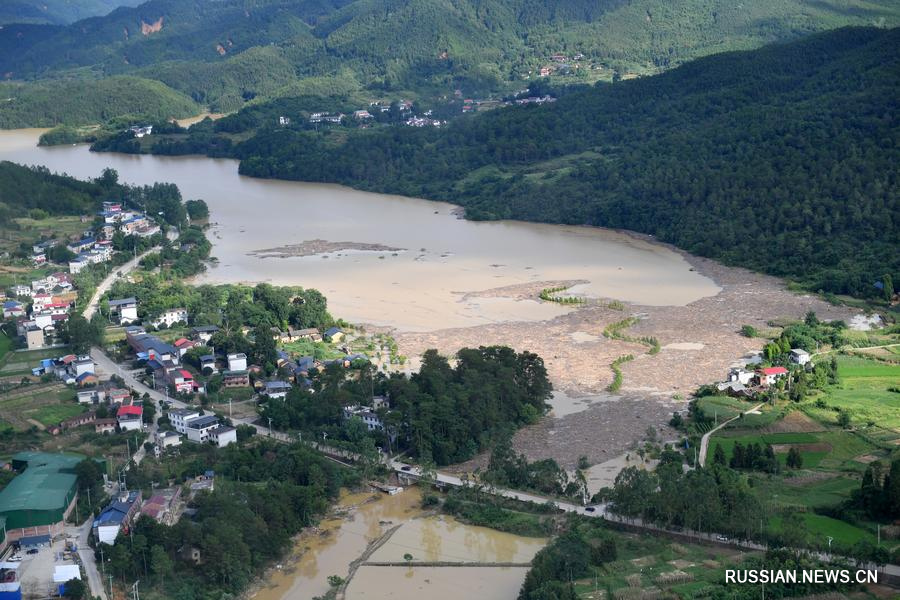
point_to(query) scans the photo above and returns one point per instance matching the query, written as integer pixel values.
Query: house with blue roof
(117, 516)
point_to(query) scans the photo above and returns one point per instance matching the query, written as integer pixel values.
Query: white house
(199, 428)
(367, 414)
(87, 396)
(179, 418)
(221, 436)
(167, 439)
(171, 316)
(799, 356)
(125, 308)
(237, 362)
(740, 375)
(84, 364)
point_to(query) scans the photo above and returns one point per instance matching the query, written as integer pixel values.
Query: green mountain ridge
(57, 12)
(782, 159)
(226, 53)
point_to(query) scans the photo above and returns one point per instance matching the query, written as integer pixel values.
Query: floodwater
(422, 287)
(427, 538)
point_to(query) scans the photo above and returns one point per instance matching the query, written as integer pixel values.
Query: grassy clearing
(863, 392)
(318, 350)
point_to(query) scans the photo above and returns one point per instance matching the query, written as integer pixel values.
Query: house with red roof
(182, 380)
(770, 375)
(130, 417)
(183, 345)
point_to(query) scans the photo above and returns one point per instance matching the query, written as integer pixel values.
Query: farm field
(653, 564)
(864, 392)
(820, 527)
(39, 405)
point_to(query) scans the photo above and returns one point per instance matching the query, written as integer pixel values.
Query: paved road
(107, 283)
(704, 441)
(86, 554)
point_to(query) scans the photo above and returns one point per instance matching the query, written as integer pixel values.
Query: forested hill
(226, 53)
(57, 12)
(782, 159)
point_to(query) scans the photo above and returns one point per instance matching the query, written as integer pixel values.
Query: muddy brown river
(437, 264)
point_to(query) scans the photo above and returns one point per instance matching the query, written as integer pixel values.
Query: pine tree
(719, 455)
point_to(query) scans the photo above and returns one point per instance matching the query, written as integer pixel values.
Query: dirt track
(700, 341)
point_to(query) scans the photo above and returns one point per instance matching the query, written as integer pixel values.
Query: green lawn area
(863, 392)
(21, 363)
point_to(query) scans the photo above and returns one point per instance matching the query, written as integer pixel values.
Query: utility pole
(134, 590)
(270, 426)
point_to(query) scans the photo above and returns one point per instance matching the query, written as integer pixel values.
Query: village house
(367, 414)
(170, 317)
(130, 418)
(179, 418)
(118, 516)
(222, 435)
(208, 361)
(87, 418)
(334, 334)
(277, 389)
(312, 334)
(34, 338)
(105, 426)
(204, 333)
(182, 381)
(237, 362)
(799, 356)
(198, 428)
(168, 439)
(235, 379)
(19, 290)
(770, 375)
(125, 309)
(12, 309)
(183, 345)
(742, 376)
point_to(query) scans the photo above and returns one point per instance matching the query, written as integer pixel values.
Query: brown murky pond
(436, 263)
(364, 518)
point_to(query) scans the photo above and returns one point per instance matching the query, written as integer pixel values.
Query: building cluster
(201, 428)
(71, 369)
(743, 382)
(129, 222)
(140, 131)
(51, 300)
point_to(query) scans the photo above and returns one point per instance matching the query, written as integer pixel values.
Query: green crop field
(819, 527)
(863, 392)
(798, 492)
(53, 414)
(820, 450)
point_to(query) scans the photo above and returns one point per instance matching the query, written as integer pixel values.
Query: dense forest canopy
(781, 159)
(228, 53)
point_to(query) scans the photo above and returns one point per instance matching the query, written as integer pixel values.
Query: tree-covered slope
(782, 159)
(57, 12)
(77, 101)
(423, 46)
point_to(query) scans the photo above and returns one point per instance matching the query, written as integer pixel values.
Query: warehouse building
(38, 500)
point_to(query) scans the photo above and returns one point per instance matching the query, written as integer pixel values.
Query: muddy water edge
(387, 546)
